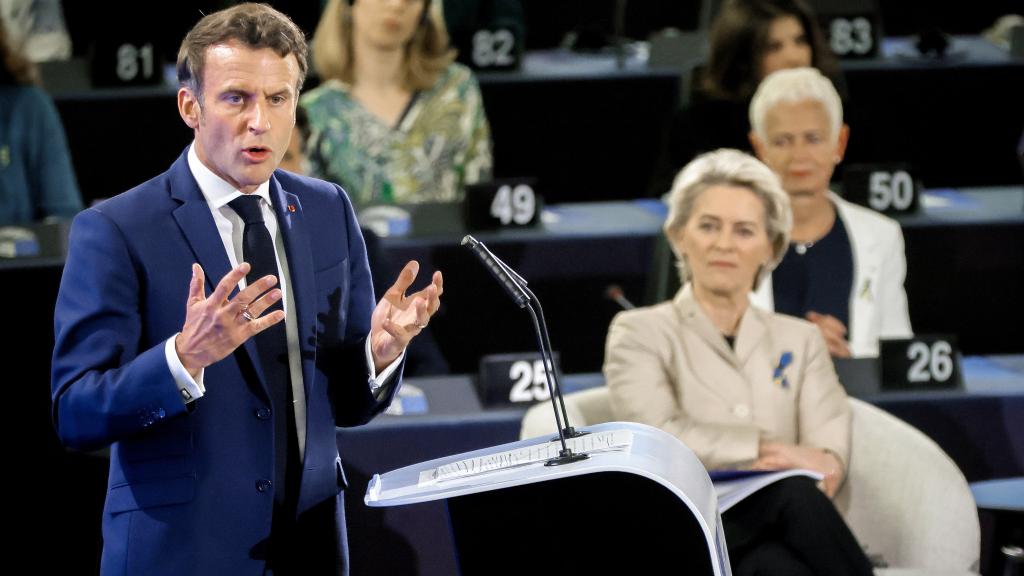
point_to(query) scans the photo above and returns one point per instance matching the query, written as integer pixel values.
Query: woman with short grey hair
(844, 267)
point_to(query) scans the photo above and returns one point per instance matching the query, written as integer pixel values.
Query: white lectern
(642, 503)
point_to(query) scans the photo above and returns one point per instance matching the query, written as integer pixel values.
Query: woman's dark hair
(15, 69)
(739, 38)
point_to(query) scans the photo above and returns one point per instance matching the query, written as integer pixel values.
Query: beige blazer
(667, 366)
(878, 302)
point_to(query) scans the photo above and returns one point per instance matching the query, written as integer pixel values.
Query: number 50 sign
(887, 188)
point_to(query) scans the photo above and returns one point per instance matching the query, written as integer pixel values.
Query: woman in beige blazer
(740, 386)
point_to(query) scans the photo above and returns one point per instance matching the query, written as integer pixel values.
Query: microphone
(544, 341)
(515, 291)
(614, 293)
(515, 285)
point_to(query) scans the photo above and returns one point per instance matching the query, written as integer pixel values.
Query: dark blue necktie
(272, 344)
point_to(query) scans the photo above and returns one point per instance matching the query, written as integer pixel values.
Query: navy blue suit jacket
(187, 491)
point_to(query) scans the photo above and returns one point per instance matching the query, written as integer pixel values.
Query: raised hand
(216, 326)
(398, 318)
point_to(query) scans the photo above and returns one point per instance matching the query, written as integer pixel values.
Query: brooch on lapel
(865, 291)
(779, 376)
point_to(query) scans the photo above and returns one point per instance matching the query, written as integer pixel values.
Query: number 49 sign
(507, 203)
(924, 362)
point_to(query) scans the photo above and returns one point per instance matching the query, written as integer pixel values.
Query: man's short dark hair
(254, 25)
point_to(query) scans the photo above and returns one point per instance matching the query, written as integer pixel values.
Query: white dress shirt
(230, 226)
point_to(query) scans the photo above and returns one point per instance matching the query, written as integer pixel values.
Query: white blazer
(878, 302)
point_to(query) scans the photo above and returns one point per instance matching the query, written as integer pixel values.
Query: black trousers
(790, 528)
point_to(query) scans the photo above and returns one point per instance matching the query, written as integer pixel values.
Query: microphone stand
(515, 285)
(546, 349)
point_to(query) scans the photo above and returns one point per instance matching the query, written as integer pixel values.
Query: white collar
(214, 188)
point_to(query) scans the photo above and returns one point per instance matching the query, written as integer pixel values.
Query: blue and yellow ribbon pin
(779, 376)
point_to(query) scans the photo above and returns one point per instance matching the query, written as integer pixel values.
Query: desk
(965, 251)
(1001, 512)
(957, 120)
(584, 129)
(569, 262)
(589, 131)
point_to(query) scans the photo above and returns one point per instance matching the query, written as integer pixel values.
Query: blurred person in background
(395, 120)
(37, 181)
(749, 40)
(295, 156)
(845, 264)
(36, 29)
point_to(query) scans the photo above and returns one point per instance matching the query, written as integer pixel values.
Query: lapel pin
(865, 291)
(291, 207)
(779, 376)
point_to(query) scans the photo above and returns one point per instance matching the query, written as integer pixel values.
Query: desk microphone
(614, 293)
(515, 285)
(499, 271)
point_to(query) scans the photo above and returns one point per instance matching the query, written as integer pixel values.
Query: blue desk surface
(1006, 494)
(644, 217)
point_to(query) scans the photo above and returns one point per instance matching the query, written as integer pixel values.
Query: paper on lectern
(611, 440)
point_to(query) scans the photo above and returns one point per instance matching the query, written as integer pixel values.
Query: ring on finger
(246, 314)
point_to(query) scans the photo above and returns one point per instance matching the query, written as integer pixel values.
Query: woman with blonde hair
(395, 120)
(742, 387)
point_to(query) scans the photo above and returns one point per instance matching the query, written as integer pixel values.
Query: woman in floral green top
(396, 120)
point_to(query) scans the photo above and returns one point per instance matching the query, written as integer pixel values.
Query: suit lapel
(864, 245)
(694, 318)
(749, 334)
(196, 223)
(751, 331)
(302, 285)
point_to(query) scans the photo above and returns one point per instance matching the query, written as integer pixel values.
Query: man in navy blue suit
(216, 323)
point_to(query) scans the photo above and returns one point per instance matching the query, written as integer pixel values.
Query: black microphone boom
(503, 278)
(515, 285)
(547, 352)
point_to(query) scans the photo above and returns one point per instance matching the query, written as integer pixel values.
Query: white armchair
(586, 407)
(904, 499)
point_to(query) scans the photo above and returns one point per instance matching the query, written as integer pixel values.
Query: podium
(641, 503)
